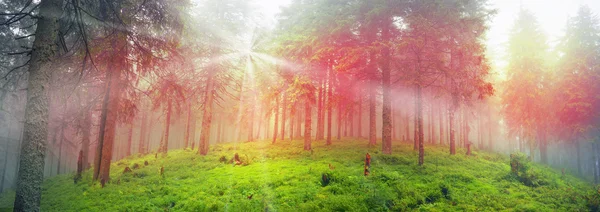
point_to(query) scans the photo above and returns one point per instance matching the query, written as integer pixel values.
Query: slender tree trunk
(351, 119)
(5, 159)
(386, 116)
(275, 128)
(219, 123)
(143, 132)
(292, 116)
(577, 147)
(109, 114)
(283, 113)
(164, 144)
(307, 123)
(407, 125)
(490, 143)
(451, 129)
(329, 103)
(416, 124)
(85, 139)
(186, 138)
(129, 138)
(596, 163)
(372, 115)
(207, 117)
(543, 147)
(299, 122)
(31, 169)
(441, 122)
(360, 116)
(250, 122)
(420, 125)
(339, 122)
(320, 120)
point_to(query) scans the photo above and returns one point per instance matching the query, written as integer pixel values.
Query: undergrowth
(283, 177)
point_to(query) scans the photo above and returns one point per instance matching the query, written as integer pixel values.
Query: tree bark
(164, 147)
(360, 116)
(452, 131)
(186, 137)
(307, 123)
(351, 119)
(283, 113)
(129, 138)
(596, 163)
(203, 145)
(441, 123)
(275, 128)
(416, 124)
(143, 130)
(420, 124)
(85, 140)
(61, 137)
(320, 120)
(577, 144)
(33, 150)
(329, 103)
(292, 116)
(5, 159)
(339, 122)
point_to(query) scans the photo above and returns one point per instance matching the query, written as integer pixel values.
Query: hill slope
(283, 177)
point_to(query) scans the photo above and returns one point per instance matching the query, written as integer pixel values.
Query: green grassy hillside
(283, 177)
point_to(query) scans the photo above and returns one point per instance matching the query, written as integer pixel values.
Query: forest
(328, 105)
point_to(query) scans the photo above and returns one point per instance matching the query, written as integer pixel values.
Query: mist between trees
(110, 79)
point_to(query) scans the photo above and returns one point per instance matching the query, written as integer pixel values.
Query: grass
(283, 177)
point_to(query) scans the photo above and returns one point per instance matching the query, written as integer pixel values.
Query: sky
(552, 16)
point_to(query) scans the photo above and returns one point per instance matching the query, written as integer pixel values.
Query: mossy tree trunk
(143, 130)
(33, 150)
(386, 115)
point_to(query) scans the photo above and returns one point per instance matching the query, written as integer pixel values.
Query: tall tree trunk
(307, 123)
(577, 144)
(219, 124)
(416, 124)
(129, 139)
(544, 147)
(451, 111)
(109, 114)
(351, 119)
(360, 116)
(251, 122)
(372, 114)
(299, 122)
(490, 143)
(292, 116)
(329, 102)
(320, 120)
(186, 137)
(31, 169)
(142, 142)
(386, 116)
(407, 125)
(164, 147)
(275, 128)
(283, 113)
(85, 138)
(203, 145)
(596, 163)
(420, 124)
(441, 123)
(339, 122)
(4, 167)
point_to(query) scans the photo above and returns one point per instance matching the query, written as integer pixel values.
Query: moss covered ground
(283, 177)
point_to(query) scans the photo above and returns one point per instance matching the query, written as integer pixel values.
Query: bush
(520, 166)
